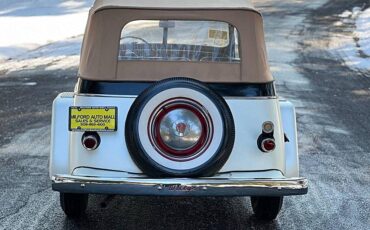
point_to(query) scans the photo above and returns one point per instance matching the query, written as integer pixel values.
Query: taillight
(268, 145)
(90, 140)
(268, 127)
(266, 141)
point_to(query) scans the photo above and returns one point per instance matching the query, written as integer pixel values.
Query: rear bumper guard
(180, 186)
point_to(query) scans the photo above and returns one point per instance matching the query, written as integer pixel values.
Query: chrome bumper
(180, 186)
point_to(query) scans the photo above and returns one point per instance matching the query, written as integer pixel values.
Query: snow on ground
(41, 33)
(61, 55)
(363, 32)
(354, 47)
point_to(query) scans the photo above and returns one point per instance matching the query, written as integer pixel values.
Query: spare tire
(179, 127)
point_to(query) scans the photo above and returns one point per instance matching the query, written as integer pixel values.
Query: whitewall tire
(179, 127)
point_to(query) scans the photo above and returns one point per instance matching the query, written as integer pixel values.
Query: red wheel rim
(187, 154)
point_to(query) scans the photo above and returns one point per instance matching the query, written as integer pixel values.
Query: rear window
(179, 40)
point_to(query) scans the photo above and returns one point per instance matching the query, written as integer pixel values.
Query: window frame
(239, 45)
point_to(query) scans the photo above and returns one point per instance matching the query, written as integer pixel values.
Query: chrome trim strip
(181, 186)
(252, 98)
(132, 96)
(105, 95)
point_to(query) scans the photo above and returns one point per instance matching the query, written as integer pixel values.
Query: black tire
(266, 208)
(151, 167)
(74, 205)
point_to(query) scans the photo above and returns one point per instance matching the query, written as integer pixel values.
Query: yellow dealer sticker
(218, 34)
(93, 119)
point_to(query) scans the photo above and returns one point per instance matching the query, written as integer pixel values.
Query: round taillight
(90, 141)
(180, 130)
(268, 127)
(268, 145)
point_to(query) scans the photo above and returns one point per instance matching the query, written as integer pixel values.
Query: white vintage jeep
(174, 98)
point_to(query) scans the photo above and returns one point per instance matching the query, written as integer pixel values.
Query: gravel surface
(332, 102)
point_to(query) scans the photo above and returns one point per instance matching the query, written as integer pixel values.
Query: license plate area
(102, 119)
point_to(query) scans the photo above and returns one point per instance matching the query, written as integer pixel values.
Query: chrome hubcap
(180, 129)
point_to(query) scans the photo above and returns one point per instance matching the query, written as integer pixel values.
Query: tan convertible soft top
(99, 57)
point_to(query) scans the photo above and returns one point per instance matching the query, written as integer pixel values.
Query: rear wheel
(266, 208)
(74, 205)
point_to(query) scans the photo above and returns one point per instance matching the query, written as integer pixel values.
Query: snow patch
(25, 34)
(41, 35)
(60, 55)
(363, 31)
(345, 14)
(353, 48)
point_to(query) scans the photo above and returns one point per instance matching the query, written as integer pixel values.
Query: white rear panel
(249, 115)
(68, 154)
